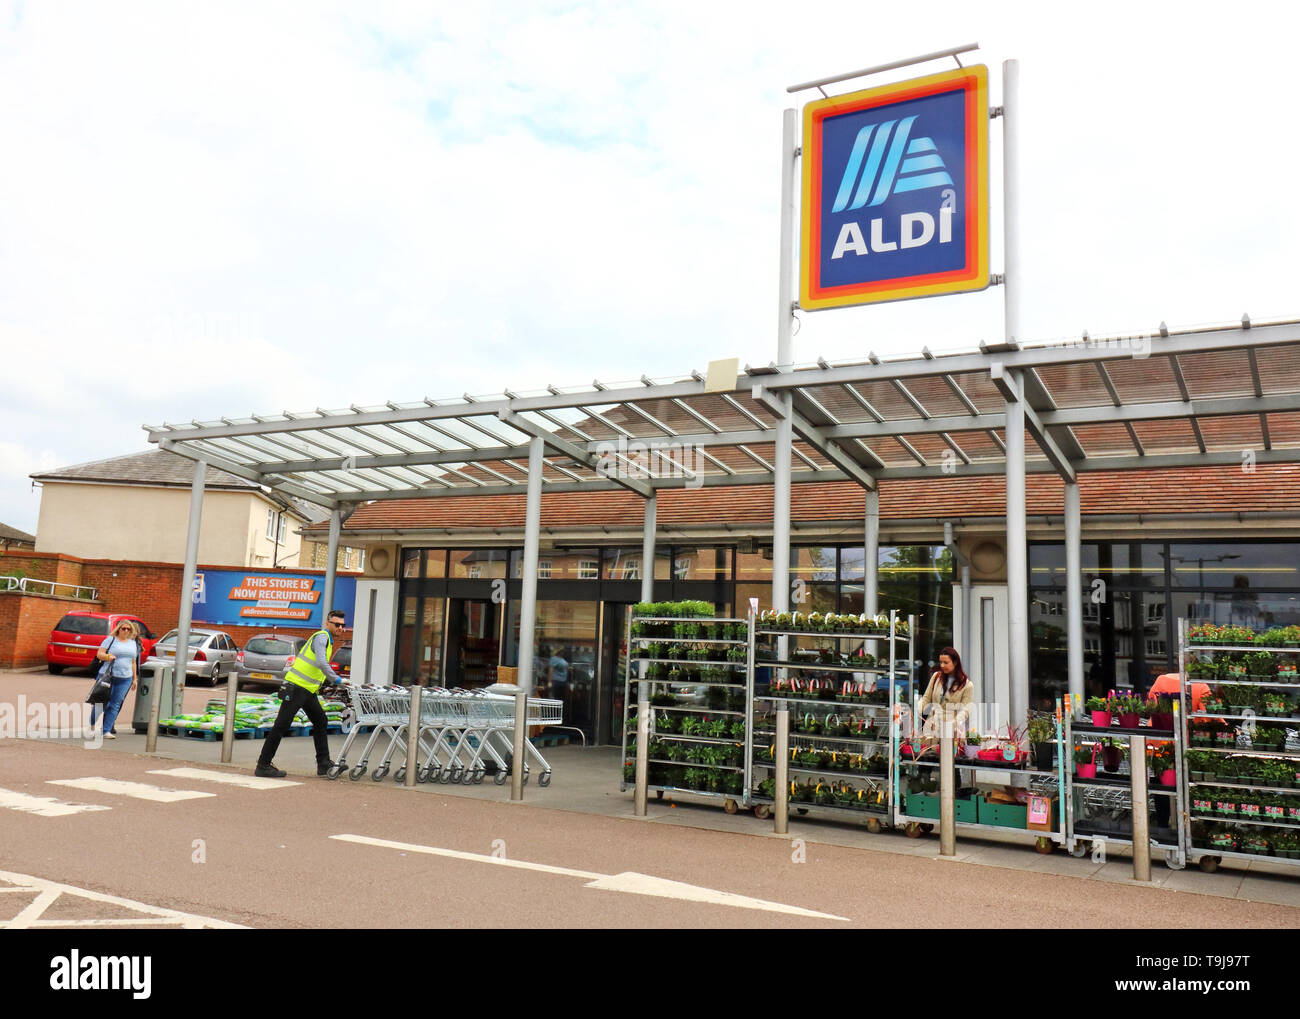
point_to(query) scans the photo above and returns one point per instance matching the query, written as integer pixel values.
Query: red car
(77, 636)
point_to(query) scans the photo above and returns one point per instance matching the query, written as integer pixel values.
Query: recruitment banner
(895, 192)
(272, 598)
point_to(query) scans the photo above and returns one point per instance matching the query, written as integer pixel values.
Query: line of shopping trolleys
(462, 734)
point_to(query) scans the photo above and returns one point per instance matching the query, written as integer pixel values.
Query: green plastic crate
(1004, 815)
(927, 805)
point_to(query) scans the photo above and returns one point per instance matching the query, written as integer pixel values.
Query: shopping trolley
(488, 737)
(386, 710)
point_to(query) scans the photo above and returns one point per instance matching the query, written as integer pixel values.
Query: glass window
(564, 656)
(435, 563)
(1236, 565)
(708, 563)
(543, 569)
(478, 563)
(851, 560)
(589, 569)
(410, 562)
(754, 565)
(813, 563)
(763, 592)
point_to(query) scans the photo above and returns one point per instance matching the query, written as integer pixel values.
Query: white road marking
(136, 790)
(44, 806)
(48, 892)
(245, 781)
(629, 881)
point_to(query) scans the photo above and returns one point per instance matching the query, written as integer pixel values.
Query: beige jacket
(955, 703)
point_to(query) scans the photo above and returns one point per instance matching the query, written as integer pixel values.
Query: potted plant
(1163, 765)
(1100, 709)
(1256, 843)
(1085, 765)
(1129, 712)
(1041, 733)
(972, 748)
(1162, 714)
(1286, 845)
(1112, 754)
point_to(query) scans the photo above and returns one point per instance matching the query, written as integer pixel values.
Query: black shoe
(323, 769)
(268, 771)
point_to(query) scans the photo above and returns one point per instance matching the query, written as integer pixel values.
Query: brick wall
(25, 624)
(149, 590)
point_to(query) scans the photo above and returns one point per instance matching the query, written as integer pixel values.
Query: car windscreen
(343, 656)
(94, 625)
(196, 639)
(269, 646)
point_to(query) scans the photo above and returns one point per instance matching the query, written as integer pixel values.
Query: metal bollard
(1137, 756)
(947, 792)
(641, 797)
(781, 814)
(517, 754)
(413, 737)
(228, 734)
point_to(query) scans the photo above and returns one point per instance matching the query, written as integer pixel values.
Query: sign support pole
(784, 356)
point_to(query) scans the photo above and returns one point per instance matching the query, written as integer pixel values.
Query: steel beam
(1073, 591)
(574, 452)
(528, 603)
(815, 437)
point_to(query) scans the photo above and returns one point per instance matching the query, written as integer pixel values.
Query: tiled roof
(8, 533)
(160, 467)
(1269, 487)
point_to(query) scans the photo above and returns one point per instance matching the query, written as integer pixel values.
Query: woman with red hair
(950, 692)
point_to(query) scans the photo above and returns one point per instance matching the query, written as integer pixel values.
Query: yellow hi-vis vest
(304, 671)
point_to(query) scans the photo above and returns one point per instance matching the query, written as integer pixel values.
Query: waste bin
(155, 675)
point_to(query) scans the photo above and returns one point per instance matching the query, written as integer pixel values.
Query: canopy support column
(1017, 565)
(528, 603)
(1073, 590)
(331, 564)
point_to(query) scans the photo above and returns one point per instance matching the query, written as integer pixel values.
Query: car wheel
(215, 678)
(55, 670)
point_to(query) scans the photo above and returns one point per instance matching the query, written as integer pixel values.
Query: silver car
(266, 656)
(212, 654)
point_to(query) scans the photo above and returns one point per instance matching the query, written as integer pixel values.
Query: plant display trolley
(916, 786)
(1239, 695)
(1099, 805)
(840, 717)
(695, 663)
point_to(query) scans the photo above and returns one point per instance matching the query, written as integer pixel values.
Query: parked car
(342, 660)
(77, 636)
(212, 654)
(266, 656)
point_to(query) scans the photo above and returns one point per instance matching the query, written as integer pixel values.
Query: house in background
(136, 507)
(12, 538)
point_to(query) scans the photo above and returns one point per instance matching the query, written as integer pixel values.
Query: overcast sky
(216, 209)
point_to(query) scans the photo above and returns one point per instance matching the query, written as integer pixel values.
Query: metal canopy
(1124, 403)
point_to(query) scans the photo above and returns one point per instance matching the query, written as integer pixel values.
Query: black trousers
(298, 699)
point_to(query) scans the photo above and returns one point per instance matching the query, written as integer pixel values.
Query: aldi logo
(895, 192)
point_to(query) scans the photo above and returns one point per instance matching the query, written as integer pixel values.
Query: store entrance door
(613, 671)
(473, 642)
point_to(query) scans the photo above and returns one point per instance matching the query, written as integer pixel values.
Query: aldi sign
(895, 192)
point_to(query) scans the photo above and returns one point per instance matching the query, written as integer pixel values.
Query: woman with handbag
(950, 693)
(121, 650)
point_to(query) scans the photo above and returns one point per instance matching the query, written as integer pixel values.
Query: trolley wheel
(501, 777)
(912, 830)
(873, 825)
(1080, 850)
(334, 772)
(927, 827)
(801, 810)
(445, 775)
(356, 773)
(380, 773)
(762, 811)
(729, 806)
(456, 774)
(544, 779)
(399, 776)
(428, 774)
(476, 776)
(1209, 864)
(1172, 861)
(1044, 845)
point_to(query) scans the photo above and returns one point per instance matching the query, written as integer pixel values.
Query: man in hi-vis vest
(309, 671)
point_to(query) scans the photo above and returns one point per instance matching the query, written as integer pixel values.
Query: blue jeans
(115, 698)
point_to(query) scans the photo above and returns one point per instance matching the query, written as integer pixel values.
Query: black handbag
(102, 688)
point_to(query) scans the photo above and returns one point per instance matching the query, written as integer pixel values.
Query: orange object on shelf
(1167, 685)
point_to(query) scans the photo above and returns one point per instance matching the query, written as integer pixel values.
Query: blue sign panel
(252, 598)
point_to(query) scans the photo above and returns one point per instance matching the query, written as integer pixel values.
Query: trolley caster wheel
(873, 825)
(456, 775)
(762, 811)
(544, 779)
(1209, 864)
(1080, 850)
(334, 772)
(477, 776)
(399, 776)
(445, 776)
(380, 773)
(501, 777)
(1172, 861)
(356, 773)
(729, 806)
(1044, 846)
(927, 827)
(912, 830)
(801, 810)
